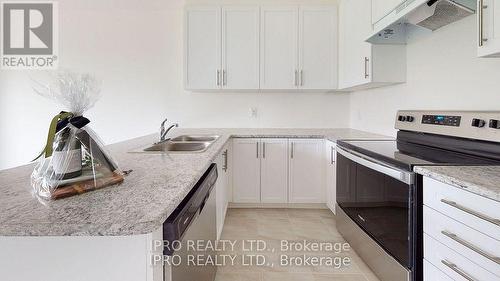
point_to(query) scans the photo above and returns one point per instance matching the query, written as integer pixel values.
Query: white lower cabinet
(246, 171)
(274, 171)
(331, 175)
(278, 171)
(307, 171)
(461, 232)
(222, 188)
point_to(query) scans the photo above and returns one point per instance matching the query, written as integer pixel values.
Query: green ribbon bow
(52, 133)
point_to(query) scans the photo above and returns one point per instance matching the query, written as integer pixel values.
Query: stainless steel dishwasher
(193, 220)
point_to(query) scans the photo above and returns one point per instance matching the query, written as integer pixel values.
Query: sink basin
(198, 138)
(178, 147)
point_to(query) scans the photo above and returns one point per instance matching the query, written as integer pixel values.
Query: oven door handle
(403, 176)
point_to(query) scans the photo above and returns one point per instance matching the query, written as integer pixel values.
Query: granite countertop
(481, 180)
(141, 204)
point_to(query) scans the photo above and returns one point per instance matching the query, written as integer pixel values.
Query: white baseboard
(278, 205)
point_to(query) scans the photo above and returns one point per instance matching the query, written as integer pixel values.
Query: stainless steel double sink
(183, 143)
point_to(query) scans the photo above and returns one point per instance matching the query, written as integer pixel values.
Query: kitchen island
(110, 232)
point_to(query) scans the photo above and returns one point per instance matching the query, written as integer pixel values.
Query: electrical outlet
(253, 112)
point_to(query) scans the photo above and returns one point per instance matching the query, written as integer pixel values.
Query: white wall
(135, 47)
(443, 73)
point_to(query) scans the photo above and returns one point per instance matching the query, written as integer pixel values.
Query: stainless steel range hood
(419, 15)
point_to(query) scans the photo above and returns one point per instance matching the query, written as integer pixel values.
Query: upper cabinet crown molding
(269, 47)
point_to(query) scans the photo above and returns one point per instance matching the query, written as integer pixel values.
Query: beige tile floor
(274, 225)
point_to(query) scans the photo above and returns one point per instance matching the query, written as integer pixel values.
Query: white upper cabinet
(240, 47)
(489, 28)
(270, 48)
(381, 8)
(307, 177)
(246, 171)
(202, 53)
(361, 64)
(318, 48)
(278, 47)
(274, 171)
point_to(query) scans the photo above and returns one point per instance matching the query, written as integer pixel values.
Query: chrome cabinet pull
(466, 244)
(331, 155)
(481, 22)
(257, 145)
(472, 212)
(367, 61)
(264, 150)
(291, 152)
(217, 79)
(224, 167)
(455, 268)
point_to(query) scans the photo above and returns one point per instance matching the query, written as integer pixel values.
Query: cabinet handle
(257, 145)
(455, 268)
(295, 78)
(472, 212)
(224, 78)
(481, 22)
(264, 150)
(291, 152)
(472, 247)
(224, 167)
(367, 61)
(301, 77)
(217, 79)
(331, 155)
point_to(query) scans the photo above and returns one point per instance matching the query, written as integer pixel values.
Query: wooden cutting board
(86, 186)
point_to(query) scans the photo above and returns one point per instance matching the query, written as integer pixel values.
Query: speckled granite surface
(141, 204)
(484, 181)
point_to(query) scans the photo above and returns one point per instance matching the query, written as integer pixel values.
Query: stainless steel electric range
(379, 195)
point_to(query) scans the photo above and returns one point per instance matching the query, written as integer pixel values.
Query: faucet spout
(163, 132)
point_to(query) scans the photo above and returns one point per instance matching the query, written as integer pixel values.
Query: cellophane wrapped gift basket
(74, 160)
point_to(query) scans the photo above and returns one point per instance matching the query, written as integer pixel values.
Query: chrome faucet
(164, 132)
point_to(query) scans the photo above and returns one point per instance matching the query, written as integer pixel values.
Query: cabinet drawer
(478, 247)
(475, 211)
(431, 273)
(453, 264)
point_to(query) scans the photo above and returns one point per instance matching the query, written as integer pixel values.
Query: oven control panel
(442, 120)
(480, 125)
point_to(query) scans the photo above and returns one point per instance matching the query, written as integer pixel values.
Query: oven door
(379, 199)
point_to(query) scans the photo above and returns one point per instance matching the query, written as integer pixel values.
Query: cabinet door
(331, 172)
(202, 43)
(278, 47)
(318, 47)
(381, 8)
(246, 171)
(355, 53)
(274, 171)
(307, 177)
(489, 19)
(240, 47)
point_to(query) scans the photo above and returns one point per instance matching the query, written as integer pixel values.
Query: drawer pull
(464, 243)
(472, 212)
(455, 268)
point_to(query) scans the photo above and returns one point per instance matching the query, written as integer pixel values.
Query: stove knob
(494, 124)
(410, 118)
(402, 118)
(479, 123)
